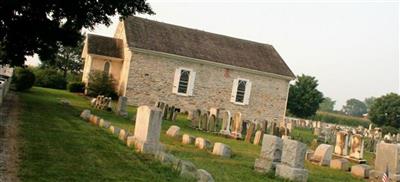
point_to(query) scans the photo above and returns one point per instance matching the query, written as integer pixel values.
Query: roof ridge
(194, 29)
(174, 39)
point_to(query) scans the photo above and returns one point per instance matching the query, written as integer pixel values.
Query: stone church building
(191, 69)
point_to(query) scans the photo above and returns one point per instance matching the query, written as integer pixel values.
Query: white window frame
(190, 86)
(246, 96)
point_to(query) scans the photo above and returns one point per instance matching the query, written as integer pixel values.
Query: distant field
(59, 146)
(341, 119)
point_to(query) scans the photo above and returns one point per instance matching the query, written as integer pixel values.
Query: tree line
(305, 100)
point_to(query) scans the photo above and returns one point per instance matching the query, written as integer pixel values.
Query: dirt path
(8, 138)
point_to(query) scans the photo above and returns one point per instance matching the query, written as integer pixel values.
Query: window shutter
(247, 93)
(191, 82)
(234, 90)
(176, 80)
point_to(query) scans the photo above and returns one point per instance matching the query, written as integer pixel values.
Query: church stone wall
(151, 78)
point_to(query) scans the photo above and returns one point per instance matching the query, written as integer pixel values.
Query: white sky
(351, 47)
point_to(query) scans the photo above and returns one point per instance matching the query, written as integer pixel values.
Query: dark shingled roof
(167, 38)
(105, 46)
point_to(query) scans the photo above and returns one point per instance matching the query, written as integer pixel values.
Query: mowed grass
(58, 146)
(69, 143)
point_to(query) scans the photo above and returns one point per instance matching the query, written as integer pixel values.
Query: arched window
(107, 67)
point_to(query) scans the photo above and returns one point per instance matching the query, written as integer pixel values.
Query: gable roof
(162, 37)
(105, 46)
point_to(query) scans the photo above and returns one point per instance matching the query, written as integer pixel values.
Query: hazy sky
(352, 48)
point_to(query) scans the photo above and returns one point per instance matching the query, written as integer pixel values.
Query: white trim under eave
(195, 60)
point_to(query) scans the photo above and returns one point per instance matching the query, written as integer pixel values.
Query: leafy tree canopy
(327, 104)
(386, 111)
(67, 59)
(369, 101)
(304, 98)
(28, 27)
(355, 107)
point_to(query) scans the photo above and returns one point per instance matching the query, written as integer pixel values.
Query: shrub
(23, 79)
(76, 87)
(385, 111)
(50, 78)
(389, 129)
(304, 135)
(101, 83)
(74, 77)
(341, 119)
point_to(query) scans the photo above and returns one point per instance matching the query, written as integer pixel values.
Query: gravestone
(357, 146)
(264, 126)
(190, 115)
(244, 127)
(165, 111)
(341, 164)
(85, 114)
(212, 121)
(387, 157)
(226, 123)
(250, 132)
(104, 124)
(317, 131)
(237, 125)
(222, 150)
(203, 176)
(360, 170)
(214, 111)
(171, 111)
(257, 137)
(188, 139)
(122, 135)
(322, 155)
(196, 118)
(341, 147)
(186, 169)
(173, 131)
(292, 161)
(203, 122)
(121, 106)
(161, 106)
(274, 129)
(202, 143)
(174, 115)
(147, 130)
(270, 155)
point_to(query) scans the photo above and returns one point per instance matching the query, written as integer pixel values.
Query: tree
(369, 101)
(354, 107)
(67, 59)
(28, 27)
(327, 104)
(101, 83)
(304, 98)
(386, 111)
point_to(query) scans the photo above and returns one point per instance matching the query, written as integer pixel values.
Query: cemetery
(155, 101)
(195, 150)
(201, 145)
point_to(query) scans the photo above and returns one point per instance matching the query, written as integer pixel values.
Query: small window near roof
(184, 81)
(107, 67)
(241, 91)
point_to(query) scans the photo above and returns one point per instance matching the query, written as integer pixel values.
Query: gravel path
(8, 138)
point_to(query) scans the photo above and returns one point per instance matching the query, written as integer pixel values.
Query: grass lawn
(59, 146)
